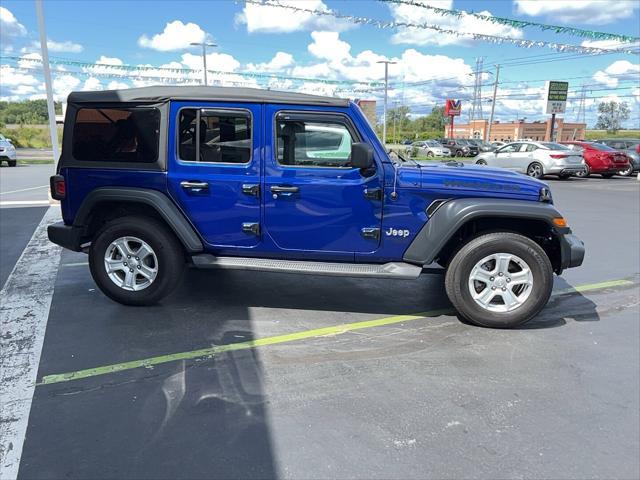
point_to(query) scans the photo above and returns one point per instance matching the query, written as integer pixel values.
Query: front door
(314, 201)
(214, 160)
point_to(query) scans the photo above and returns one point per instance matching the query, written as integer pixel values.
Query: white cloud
(610, 44)
(618, 70)
(595, 12)
(280, 61)
(63, 85)
(175, 36)
(11, 77)
(66, 46)
(9, 26)
(92, 83)
(24, 90)
(327, 45)
(466, 23)
(115, 85)
(264, 18)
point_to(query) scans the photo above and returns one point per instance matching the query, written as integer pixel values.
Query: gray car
(631, 147)
(535, 159)
(428, 148)
(7, 151)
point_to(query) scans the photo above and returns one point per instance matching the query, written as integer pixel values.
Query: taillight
(559, 155)
(638, 148)
(58, 187)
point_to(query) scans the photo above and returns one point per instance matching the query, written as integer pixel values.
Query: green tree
(611, 115)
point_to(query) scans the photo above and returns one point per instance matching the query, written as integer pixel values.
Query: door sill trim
(398, 270)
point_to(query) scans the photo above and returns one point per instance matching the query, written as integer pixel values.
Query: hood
(474, 180)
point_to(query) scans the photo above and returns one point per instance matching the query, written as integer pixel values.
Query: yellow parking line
(289, 337)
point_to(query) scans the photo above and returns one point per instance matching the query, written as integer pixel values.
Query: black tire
(481, 162)
(429, 154)
(626, 173)
(12, 163)
(607, 175)
(168, 250)
(459, 153)
(535, 170)
(462, 263)
(584, 173)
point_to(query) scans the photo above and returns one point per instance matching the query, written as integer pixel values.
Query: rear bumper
(571, 251)
(565, 170)
(66, 236)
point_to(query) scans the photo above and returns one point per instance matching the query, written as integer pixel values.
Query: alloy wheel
(131, 263)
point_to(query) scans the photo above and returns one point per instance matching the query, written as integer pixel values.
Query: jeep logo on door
(393, 232)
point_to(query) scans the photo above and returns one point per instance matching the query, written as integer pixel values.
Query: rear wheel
(535, 170)
(136, 260)
(499, 280)
(584, 173)
(481, 162)
(626, 172)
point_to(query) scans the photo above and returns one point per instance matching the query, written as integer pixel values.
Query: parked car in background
(601, 159)
(428, 148)
(482, 145)
(631, 147)
(406, 141)
(535, 159)
(7, 151)
(460, 147)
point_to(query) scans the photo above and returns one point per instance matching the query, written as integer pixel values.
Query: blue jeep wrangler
(152, 179)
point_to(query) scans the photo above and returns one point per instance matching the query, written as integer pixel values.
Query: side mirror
(361, 155)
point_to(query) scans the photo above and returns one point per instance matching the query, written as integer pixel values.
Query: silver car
(429, 148)
(7, 151)
(535, 159)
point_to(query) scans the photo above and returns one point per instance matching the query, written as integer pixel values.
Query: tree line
(26, 112)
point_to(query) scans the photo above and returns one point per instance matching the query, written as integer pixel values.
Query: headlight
(545, 195)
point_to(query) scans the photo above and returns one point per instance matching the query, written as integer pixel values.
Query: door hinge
(251, 228)
(250, 189)
(373, 193)
(373, 233)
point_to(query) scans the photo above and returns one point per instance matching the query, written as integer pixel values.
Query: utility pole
(493, 103)
(476, 104)
(51, 110)
(386, 86)
(395, 117)
(204, 46)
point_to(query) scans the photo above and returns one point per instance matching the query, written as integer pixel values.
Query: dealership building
(519, 130)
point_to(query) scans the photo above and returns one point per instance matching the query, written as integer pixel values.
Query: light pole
(386, 86)
(204, 46)
(493, 103)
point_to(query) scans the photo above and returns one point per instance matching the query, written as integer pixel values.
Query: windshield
(554, 146)
(601, 147)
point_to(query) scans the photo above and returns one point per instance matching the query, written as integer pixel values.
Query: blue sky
(282, 43)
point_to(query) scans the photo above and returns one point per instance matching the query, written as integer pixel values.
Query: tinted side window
(116, 135)
(223, 136)
(528, 147)
(313, 143)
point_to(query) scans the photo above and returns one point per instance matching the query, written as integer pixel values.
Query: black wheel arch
(459, 220)
(106, 203)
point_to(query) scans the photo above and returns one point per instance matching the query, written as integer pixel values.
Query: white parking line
(16, 203)
(24, 310)
(24, 190)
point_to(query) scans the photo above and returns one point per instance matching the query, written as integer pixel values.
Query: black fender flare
(160, 202)
(453, 214)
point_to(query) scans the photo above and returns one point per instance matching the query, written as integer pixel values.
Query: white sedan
(7, 151)
(535, 159)
(429, 148)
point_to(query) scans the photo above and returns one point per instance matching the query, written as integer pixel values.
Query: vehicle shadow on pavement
(308, 292)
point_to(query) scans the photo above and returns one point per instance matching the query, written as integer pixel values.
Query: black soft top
(161, 94)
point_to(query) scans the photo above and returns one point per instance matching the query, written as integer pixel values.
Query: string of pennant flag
(561, 29)
(495, 39)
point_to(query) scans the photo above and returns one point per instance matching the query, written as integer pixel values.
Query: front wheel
(535, 170)
(136, 260)
(12, 163)
(429, 154)
(499, 280)
(481, 162)
(627, 172)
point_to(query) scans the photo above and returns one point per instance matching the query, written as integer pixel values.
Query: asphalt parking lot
(258, 375)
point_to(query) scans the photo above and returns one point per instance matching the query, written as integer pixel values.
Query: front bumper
(66, 236)
(571, 251)
(8, 155)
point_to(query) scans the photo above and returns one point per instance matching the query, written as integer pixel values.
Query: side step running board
(398, 270)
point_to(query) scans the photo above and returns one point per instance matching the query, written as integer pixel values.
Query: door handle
(194, 186)
(284, 189)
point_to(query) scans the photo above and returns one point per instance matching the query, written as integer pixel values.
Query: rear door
(314, 201)
(214, 163)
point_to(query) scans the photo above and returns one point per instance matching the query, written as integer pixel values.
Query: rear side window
(116, 135)
(313, 143)
(214, 136)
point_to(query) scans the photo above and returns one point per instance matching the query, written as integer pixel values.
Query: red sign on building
(452, 108)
